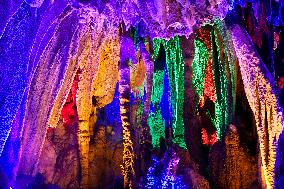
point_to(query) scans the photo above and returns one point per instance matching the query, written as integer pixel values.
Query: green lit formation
(231, 66)
(220, 80)
(155, 119)
(175, 65)
(157, 127)
(223, 72)
(223, 75)
(198, 66)
(158, 87)
(175, 68)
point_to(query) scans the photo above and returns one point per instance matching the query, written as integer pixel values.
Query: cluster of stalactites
(259, 87)
(91, 53)
(85, 22)
(162, 18)
(214, 74)
(92, 49)
(168, 88)
(272, 10)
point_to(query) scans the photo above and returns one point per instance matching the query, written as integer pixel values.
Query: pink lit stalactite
(261, 92)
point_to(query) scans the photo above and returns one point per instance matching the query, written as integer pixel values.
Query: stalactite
(138, 94)
(90, 86)
(84, 101)
(127, 55)
(203, 80)
(22, 26)
(145, 55)
(261, 92)
(83, 43)
(112, 13)
(107, 77)
(214, 74)
(175, 69)
(38, 46)
(222, 107)
(49, 74)
(137, 74)
(199, 66)
(155, 119)
(209, 87)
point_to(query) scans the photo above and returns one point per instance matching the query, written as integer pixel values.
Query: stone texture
(230, 164)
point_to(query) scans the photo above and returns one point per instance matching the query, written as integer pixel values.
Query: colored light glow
(169, 176)
(175, 66)
(214, 74)
(127, 57)
(163, 173)
(261, 92)
(209, 88)
(198, 66)
(69, 110)
(157, 127)
(208, 139)
(155, 119)
(175, 69)
(151, 179)
(204, 137)
(281, 82)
